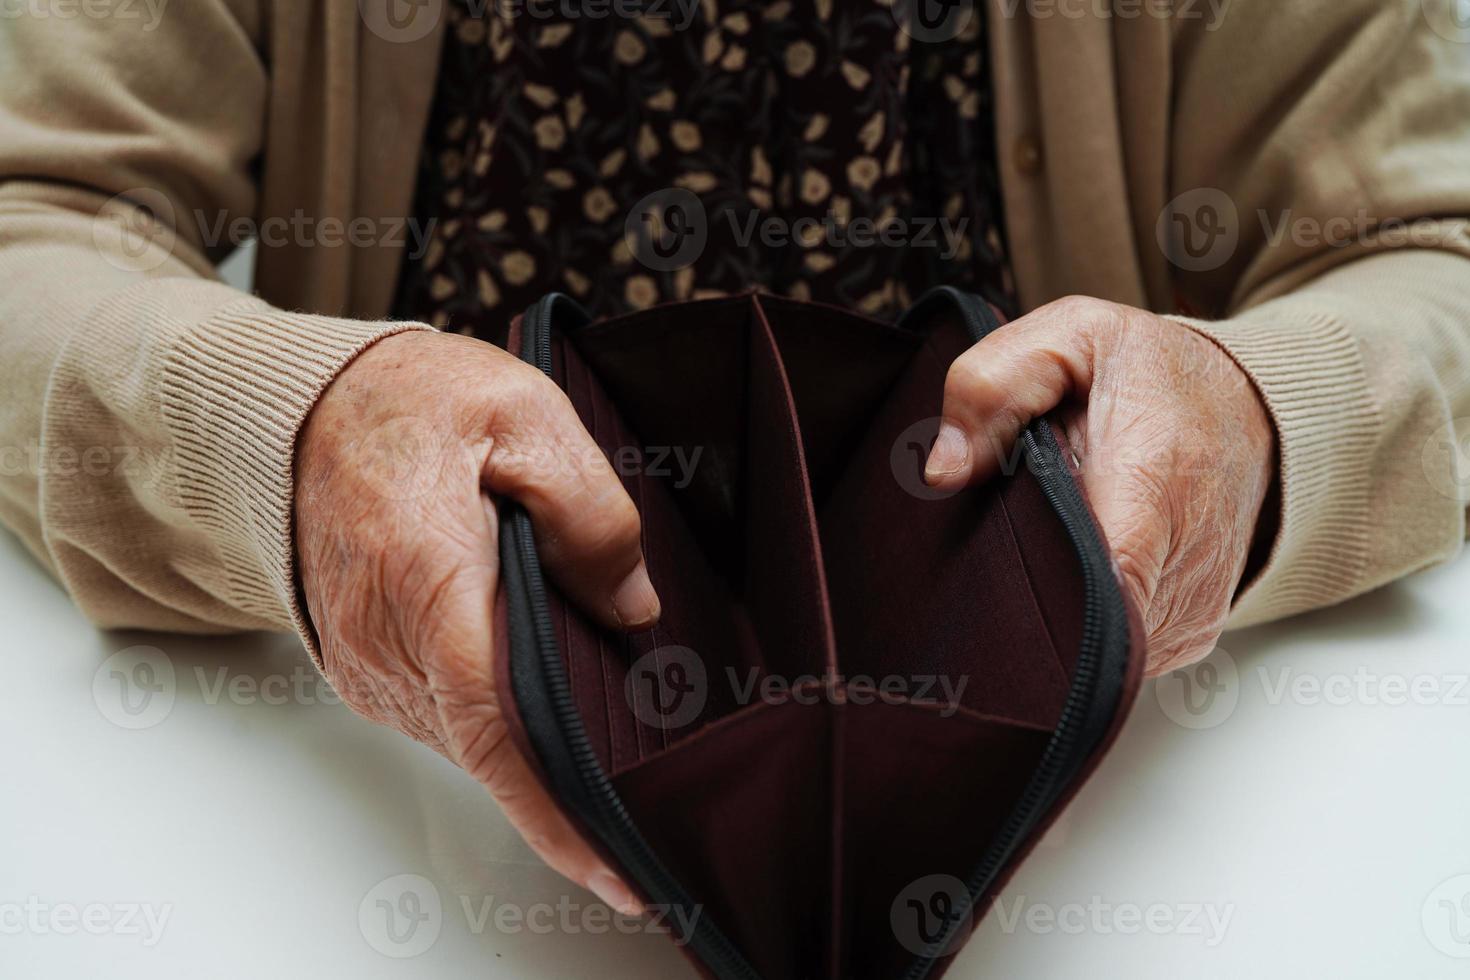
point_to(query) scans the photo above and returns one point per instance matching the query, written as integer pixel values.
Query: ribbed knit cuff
(236, 384)
(1309, 370)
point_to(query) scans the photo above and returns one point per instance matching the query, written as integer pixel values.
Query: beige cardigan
(149, 412)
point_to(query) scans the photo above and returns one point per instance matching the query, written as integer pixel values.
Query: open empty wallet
(866, 699)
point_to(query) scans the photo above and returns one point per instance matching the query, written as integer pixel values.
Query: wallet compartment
(804, 546)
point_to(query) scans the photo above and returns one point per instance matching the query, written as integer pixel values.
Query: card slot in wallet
(732, 617)
(904, 560)
(619, 680)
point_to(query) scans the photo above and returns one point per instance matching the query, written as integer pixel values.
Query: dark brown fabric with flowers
(830, 157)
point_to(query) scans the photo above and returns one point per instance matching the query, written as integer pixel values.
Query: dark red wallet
(866, 699)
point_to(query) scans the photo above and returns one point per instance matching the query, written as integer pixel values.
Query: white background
(1325, 828)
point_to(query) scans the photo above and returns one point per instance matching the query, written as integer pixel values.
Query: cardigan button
(1027, 156)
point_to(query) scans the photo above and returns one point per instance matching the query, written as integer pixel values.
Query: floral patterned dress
(818, 149)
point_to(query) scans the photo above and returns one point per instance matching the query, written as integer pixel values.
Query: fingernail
(950, 455)
(606, 886)
(635, 604)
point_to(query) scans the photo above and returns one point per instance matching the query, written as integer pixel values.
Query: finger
(1019, 372)
(547, 831)
(587, 530)
(477, 739)
(455, 631)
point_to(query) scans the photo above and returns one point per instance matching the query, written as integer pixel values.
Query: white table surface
(1316, 823)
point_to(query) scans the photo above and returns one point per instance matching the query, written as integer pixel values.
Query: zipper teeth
(615, 823)
(1058, 753)
(1060, 749)
(613, 818)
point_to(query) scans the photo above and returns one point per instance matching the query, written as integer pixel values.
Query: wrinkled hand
(1176, 447)
(396, 534)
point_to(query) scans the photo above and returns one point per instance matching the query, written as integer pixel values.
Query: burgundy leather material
(784, 739)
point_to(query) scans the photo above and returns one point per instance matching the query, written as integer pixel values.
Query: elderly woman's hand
(1176, 448)
(396, 532)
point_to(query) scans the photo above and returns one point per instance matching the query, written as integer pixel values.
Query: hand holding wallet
(865, 699)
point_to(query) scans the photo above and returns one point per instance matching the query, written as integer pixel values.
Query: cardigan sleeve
(149, 411)
(1331, 140)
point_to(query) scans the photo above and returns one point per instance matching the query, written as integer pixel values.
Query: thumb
(1016, 374)
(587, 530)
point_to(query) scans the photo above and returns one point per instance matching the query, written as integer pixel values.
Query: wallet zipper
(1098, 680)
(563, 747)
(567, 756)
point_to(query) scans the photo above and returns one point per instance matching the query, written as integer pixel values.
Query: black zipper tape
(1102, 663)
(549, 712)
(554, 727)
